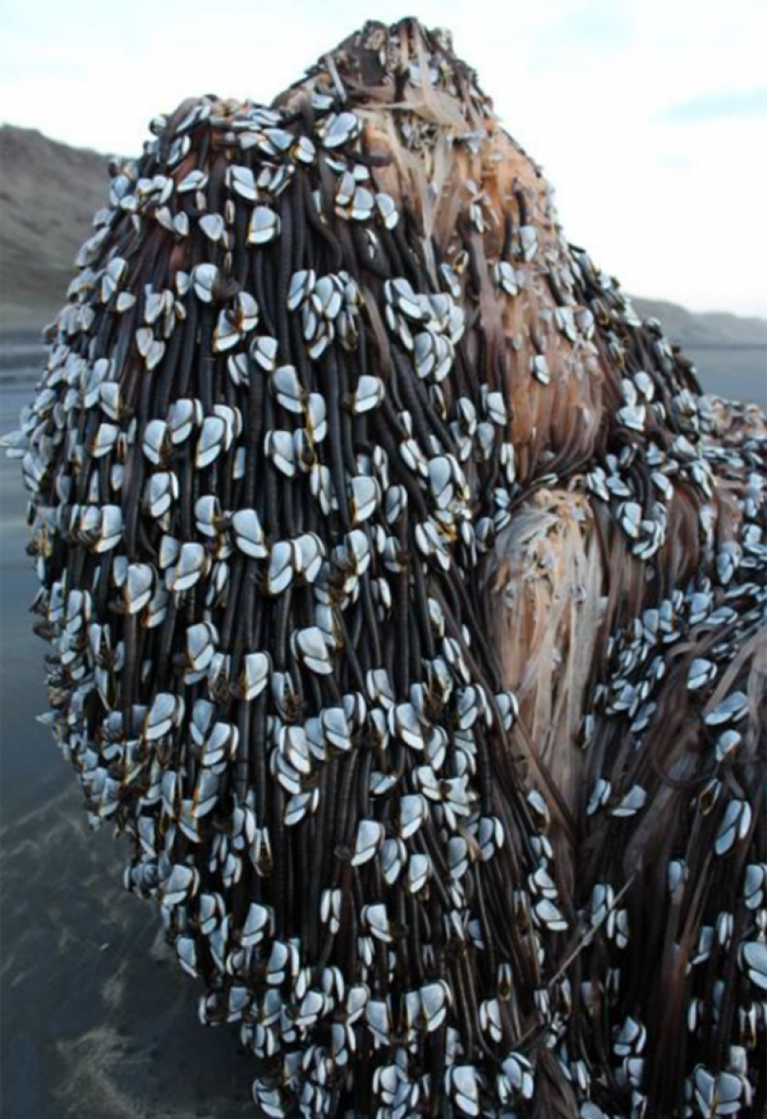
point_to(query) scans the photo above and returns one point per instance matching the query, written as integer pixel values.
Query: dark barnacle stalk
(333, 387)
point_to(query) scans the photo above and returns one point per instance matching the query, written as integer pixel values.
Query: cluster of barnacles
(265, 483)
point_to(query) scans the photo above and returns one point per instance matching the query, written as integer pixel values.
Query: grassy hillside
(49, 193)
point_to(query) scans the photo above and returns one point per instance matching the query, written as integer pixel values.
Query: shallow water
(98, 1021)
(739, 373)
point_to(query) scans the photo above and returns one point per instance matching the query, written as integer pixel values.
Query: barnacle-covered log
(406, 602)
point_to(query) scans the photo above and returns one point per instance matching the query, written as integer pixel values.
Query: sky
(648, 116)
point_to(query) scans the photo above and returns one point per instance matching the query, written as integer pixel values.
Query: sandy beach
(98, 1021)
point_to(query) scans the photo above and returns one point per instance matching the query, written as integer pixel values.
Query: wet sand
(98, 1021)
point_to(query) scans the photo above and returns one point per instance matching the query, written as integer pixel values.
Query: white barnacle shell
(105, 439)
(754, 962)
(702, 671)
(631, 803)
(365, 498)
(370, 838)
(194, 181)
(201, 641)
(387, 210)
(212, 226)
(248, 533)
(368, 395)
(191, 566)
(335, 726)
(256, 671)
(210, 442)
(183, 415)
(281, 448)
(240, 180)
(165, 713)
(207, 512)
(339, 128)
(734, 826)
(280, 573)
(263, 350)
(464, 1088)
(312, 552)
(287, 388)
(110, 528)
(301, 286)
(264, 226)
(311, 649)
(413, 811)
(316, 417)
(257, 925)
(203, 277)
(517, 1074)
(730, 710)
(550, 915)
(139, 585)
(528, 237)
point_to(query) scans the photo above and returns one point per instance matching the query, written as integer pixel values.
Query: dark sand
(98, 1020)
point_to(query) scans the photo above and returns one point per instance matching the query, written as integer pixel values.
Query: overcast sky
(648, 116)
